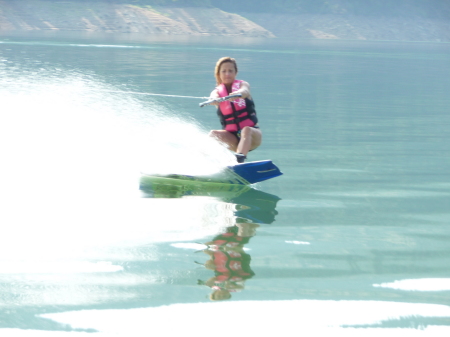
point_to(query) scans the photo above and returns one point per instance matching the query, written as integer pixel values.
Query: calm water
(352, 240)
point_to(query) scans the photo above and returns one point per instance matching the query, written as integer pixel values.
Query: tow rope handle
(219, 100)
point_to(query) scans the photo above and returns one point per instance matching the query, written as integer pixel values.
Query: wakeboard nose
(256, 171)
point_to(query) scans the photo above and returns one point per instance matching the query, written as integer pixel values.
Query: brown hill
(70, 15)
(107, 17)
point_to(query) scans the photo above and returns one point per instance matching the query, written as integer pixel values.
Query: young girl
(240, 132)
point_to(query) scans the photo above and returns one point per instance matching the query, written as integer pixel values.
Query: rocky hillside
(72, 15)
(108, 17)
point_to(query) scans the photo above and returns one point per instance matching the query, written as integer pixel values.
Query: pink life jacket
(236, 114)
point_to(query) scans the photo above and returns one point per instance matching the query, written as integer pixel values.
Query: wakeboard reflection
(251, 204)
(226, 255)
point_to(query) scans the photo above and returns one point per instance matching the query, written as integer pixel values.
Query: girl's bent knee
(213, 133)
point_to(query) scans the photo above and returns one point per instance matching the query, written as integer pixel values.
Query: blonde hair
(219, 64)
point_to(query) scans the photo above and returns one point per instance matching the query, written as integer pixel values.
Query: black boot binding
(240, 157)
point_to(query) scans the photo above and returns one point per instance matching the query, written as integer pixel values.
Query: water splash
(72, 154)
(64, 132)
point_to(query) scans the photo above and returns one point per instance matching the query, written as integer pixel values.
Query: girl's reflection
(230, 263)
(227, 258)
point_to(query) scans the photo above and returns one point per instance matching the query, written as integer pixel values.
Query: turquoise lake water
(352, 240)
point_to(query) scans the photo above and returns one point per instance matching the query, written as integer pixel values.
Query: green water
(353, 239)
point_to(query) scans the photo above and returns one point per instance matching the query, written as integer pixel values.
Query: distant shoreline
(350, 27)
(104, 17)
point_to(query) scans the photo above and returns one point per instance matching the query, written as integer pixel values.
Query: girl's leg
(225, 137)
(250, 139)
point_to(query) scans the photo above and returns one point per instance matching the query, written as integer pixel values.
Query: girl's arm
(214, 94)
(244, 90)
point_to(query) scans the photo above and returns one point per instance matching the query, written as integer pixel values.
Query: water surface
(353, 239)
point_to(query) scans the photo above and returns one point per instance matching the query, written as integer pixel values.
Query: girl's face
(227, 73)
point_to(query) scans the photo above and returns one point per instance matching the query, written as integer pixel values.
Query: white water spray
(71, 162)
(68, 133)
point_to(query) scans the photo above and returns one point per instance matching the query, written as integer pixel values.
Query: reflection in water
(253, 205)
(226, 252)
(256, 206)
(230, 263)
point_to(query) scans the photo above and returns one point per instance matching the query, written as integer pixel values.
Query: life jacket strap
(236, 120)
